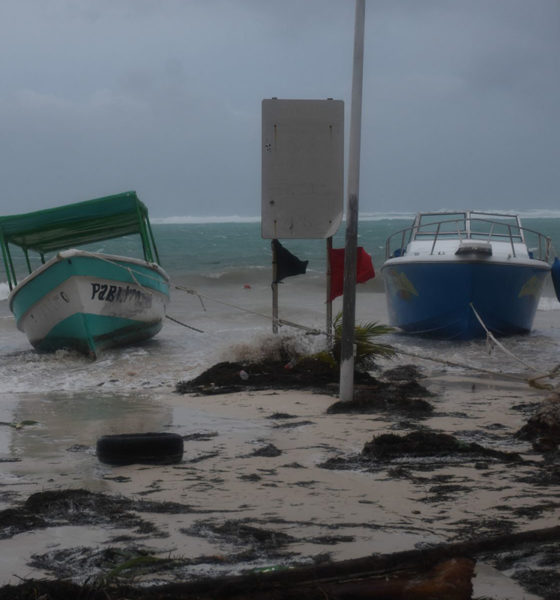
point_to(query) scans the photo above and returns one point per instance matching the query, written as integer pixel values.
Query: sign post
(302, 173)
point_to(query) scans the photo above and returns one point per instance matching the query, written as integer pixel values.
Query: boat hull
(89, 302)
(436, 298)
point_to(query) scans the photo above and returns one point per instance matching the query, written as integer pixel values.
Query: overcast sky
(461, 100)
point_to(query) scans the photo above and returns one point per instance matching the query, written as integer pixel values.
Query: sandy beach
(253, 490)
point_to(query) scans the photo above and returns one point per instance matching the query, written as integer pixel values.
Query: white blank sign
(302, 168)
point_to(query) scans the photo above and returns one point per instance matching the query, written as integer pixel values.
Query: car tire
(140, 448)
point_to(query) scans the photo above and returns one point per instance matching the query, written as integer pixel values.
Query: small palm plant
(364, 339)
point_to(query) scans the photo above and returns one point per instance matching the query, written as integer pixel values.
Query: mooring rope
(310, 330)
(183, 324)
(532, 381)
(451, 363)
(130, 270)
(133, 274)
(490, 338)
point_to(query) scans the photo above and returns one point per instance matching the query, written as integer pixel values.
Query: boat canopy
(73, 225)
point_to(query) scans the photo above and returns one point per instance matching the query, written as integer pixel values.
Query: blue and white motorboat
(82, 299)
(457, 275)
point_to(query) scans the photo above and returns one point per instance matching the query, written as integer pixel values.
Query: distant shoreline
(544, 213)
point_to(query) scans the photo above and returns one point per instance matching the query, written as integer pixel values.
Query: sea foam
(190, 220)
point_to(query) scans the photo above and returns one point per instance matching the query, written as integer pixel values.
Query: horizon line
(535, 213)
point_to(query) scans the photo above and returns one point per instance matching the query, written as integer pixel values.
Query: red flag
(364, 269)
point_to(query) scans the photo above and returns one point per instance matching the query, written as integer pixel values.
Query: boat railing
(538, 245)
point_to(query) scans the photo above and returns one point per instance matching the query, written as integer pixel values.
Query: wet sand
(252, 490)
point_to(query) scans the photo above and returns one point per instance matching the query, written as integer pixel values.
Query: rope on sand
(450, 363)
(532, 381)
(535, 381)
(492, 340)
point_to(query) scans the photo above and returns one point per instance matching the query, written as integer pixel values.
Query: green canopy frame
(73, 225)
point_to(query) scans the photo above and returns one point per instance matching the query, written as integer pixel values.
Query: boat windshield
(468, 225)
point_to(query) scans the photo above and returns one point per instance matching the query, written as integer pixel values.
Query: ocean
(226, 266)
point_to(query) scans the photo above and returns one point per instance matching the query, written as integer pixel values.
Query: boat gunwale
(432, 259)
(74, 252)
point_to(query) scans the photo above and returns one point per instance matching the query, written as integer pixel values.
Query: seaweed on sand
(543, 427)
(313, 373)
(429, 443)
(429, 447)
(226, 377)
(81, 507)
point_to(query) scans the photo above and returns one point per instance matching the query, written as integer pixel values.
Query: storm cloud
(460, 104)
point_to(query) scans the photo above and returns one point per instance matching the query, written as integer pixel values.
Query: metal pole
(329, 301)
(346, 387)
(274, 287)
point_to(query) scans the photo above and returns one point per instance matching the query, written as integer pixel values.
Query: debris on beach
(19, 424)
(449, 578)
(403, 373)
(81, 507)
(268, 451)
(380, 396)
(543, 428)
(225, 377)
(104, 563)
(438, 572)
(240, 531)
(429, 443)
(426, 448)
(402, 392)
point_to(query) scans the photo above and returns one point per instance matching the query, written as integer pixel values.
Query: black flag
(286, 263)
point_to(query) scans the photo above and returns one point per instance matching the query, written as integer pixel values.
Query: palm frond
(364, 339)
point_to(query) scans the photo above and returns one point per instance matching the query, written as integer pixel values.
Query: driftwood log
(443, 572)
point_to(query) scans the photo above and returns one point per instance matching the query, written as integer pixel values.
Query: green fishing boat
(75, 298)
